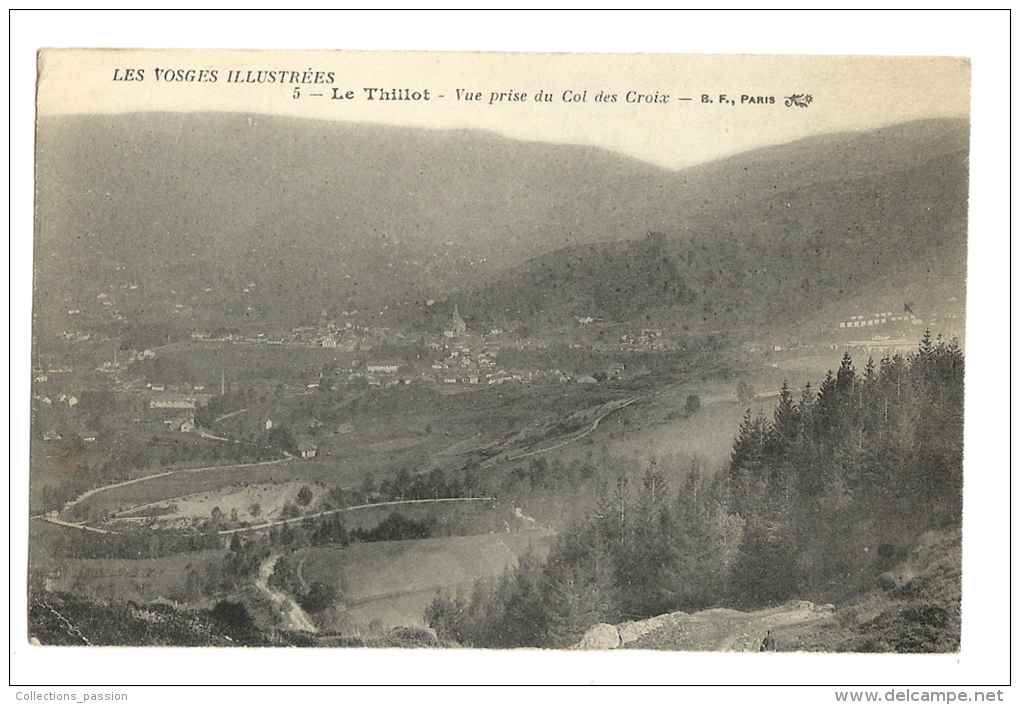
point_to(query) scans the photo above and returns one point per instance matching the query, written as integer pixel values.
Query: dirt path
(568, 441)
(723, 629)
(300, 574)
(327, 512)
(71, 525)
(199, 431)
(294, 617)
(227, 416)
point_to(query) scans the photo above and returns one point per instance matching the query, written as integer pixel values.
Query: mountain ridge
(309, 215)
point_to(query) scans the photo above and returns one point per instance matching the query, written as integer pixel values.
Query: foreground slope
(914, 607)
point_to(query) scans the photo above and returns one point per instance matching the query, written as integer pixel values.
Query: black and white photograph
(452, 352)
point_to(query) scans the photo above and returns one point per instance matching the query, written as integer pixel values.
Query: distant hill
(209, 220)
(305, 214)
(772, 251)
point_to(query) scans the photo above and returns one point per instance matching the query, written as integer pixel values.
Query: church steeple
(459, 327)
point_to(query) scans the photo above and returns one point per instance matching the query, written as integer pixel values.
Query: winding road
(316, 515)
(124, 483)
(294, 617)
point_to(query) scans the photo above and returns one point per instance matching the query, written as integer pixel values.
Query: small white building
(384, 366)
(307, 449)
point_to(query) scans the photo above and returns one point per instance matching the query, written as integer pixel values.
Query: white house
(307, 449)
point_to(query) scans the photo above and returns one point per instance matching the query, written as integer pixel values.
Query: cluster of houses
(881, 319)
(348, 338)
(162, 396)
(305, 445)
(468, 361)
(456, 357)
(647, 339)
(184, 424)
(463, 357)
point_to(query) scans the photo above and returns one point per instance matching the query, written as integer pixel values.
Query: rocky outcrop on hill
(600, 637)
(914, 608)
(717, 629)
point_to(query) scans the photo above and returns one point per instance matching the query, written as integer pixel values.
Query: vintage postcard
(498, 351)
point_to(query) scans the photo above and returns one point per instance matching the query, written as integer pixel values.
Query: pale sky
(848, 93)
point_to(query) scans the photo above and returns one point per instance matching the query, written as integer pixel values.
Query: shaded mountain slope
(779, 258)
(195, 209)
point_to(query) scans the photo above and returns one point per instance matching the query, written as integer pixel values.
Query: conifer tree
(579, 584)
(785, 422)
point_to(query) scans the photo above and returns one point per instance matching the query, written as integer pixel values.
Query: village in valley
(349, 354)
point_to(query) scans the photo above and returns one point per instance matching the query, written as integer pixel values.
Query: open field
(394, 581)
(657, 426)
(708, 434)
(392, 430)
(457, 516)
(170, 485)
(814, 366)
(565, 432)
(396, 444)
(391, 583)
(192, 361)
(270, 499)
(139, 580)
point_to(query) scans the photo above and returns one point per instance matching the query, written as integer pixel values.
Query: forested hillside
(225, 222)
(816, 503)
(777, 258)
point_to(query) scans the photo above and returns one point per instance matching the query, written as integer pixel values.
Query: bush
(693, 404)
(397, 527)
(320, 596)
(234, 620)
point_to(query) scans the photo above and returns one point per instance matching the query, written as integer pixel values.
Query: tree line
(812, 504)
